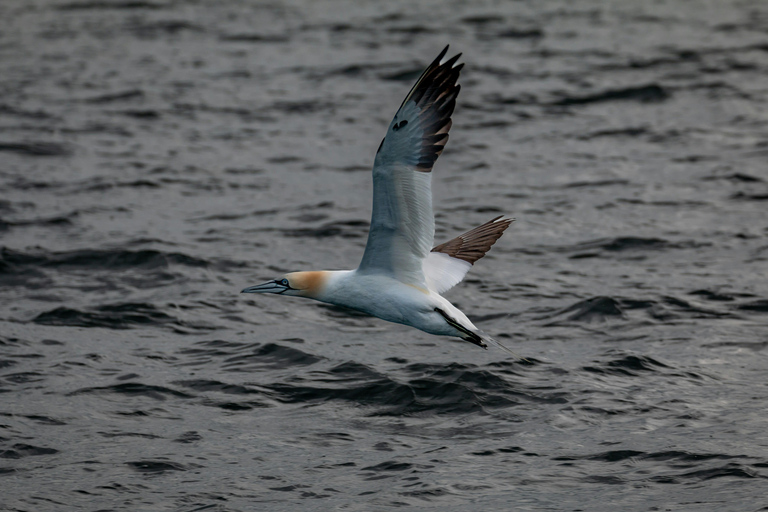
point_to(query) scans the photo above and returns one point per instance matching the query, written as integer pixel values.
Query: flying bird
(402, 277)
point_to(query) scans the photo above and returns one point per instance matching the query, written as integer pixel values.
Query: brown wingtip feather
(472, 245)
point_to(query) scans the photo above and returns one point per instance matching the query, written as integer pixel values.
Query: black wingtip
(434, 94)
(435, 63)
(450, 62)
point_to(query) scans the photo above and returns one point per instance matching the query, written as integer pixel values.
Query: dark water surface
(158, 156)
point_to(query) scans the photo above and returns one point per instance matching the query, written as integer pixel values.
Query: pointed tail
(475, 335)
(493, 341)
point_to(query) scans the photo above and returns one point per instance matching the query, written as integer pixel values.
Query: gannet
(401, 277)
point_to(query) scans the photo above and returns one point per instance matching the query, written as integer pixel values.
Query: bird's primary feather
(402, 223)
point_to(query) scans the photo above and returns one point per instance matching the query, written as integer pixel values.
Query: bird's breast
(381, 296)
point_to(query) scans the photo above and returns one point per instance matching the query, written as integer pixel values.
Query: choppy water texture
(158, 156)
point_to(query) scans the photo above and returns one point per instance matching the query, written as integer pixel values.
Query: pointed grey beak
(268, 287)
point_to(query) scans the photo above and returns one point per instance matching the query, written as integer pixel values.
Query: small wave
(737, 177)
(747, 196)
(203, 385)
(18, 112)
(594, 309)
(675, 456)
(426, 495)
(713, 295)
(519, 33)
(629, 365)
(411, 29)
(353, 168)
(389, 465)
(482, 19)
(141, 435)
(603, 479)
(426, 389)
(301, 107)
(131, 94)
(490, 27)
(605, 309)
(108, 268)
(407, 75)
(679, 455)
(236, 406)
(211, 387)
(7, 363)
(37, 148)
(354, 382)
(44, 420)
(24, 377)
(634, 243)
(30, 277)
(756, 306)
(357, 69)
(642, 93)
(595, 184)
(616, 455)
(632, 131)
(728, 470)
(102, 5)
(161, 28)
(93, 259)
(133, 389)
(497, 99)
(101, 186)
(212, 349)
(57, 221)
(669, 308)
(148, 114)
(270, 355)
(156, 466)
(112, 316)
(17, 451)
(188, 437)
(254, 38)
(343, 229)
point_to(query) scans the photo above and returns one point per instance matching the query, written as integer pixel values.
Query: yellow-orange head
(301, 284)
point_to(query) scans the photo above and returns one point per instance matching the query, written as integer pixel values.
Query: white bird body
(401, 277)
(391, 300)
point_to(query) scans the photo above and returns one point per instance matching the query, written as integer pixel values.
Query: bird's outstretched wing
(447, 264)
(402, 223)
